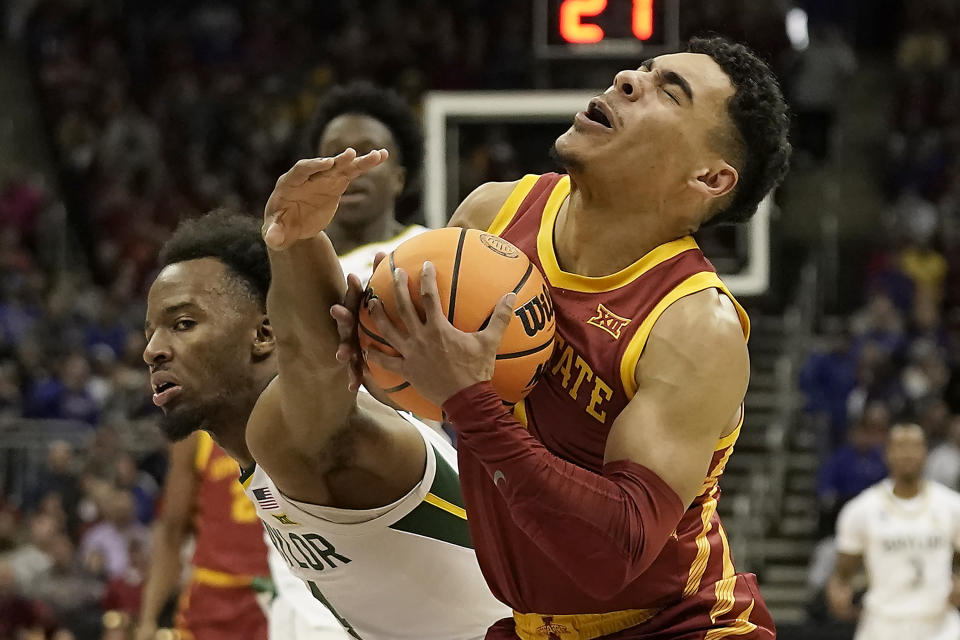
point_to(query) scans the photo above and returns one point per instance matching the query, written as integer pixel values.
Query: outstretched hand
(307, 196)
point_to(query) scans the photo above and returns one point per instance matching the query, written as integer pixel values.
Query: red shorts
(220, 613)
(689, 619)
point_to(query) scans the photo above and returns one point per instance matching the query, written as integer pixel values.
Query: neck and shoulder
(229, 428)
(603, 227)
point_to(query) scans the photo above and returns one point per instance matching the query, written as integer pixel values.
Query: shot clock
(605, 28)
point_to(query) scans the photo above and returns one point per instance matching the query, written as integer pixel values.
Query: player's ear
(265, 341)
(715, 181)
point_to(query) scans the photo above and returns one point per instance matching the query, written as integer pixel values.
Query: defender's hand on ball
(307, 196)
(345, 315)
(435, 357)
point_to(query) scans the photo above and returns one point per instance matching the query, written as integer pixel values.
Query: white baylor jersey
(405, 572)
(360, 260)
(907, 547)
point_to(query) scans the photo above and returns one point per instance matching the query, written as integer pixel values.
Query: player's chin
(569, 150)
(179, 422)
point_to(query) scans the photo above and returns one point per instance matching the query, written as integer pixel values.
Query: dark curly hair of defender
(230, 237)
(380, 104)
(760, 115)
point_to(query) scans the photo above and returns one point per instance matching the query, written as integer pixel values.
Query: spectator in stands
(925, 266)
(926, 323)
(943, 464)
(924, 47)
(141, 485)
(103, 450)
(22, 199)
(108, 329)
(933, 415)
(858, 464)
(877, 379)
(33, 558)
(926, 373)
(8, 530)
(17, 614)
(68, 590)
(17, 314)
(880, 323)
(11, 395)
(124, 592)
(66, 397)
(59, 476)
(112, 537)
(829, 376)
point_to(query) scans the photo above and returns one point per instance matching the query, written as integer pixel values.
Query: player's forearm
(306, 280)
(840, 596)
(624, 516)
(164, 573)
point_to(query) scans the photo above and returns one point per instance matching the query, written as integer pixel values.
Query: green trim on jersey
(434, 522)
(246, 474)
(315, 590)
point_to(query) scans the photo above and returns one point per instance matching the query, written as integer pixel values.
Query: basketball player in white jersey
(361, 502)
(363, 117)
(905, 531)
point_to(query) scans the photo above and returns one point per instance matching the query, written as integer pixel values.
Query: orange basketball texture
(474, 270)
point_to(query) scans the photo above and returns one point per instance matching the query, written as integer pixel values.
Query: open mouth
(595, 113)
(164, 392)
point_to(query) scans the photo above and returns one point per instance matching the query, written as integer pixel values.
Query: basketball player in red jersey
(593, 503)
(202, 493)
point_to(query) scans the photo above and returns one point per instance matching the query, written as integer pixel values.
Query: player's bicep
(480, 208)
(851, 535)
(692, 379)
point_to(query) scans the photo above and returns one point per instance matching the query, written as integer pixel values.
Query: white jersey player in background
(905, 531)
(362, 117)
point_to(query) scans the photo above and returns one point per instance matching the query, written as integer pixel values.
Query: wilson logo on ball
(499, 245)
(535, 313)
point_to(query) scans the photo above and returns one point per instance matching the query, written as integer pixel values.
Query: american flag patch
(265, 499)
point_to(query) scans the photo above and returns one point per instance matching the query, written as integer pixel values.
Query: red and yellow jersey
(602, 327)
(230, 550)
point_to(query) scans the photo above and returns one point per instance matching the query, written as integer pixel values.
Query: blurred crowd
(162, 109)
(897, 358)
(73, 512)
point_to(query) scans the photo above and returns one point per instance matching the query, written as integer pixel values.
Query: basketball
(474, 270)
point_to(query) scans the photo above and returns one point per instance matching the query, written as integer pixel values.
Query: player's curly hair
(380, 104)
(232, 238)
(762, 123)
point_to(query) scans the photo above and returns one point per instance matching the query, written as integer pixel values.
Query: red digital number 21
(573, 29)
